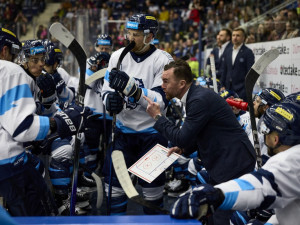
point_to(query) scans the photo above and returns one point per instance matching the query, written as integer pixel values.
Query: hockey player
(141, 69)
(294, 97)
(52, 66)
(262, 101)
(274, 186)
(21, 185)
(101, 126)
(104, 43)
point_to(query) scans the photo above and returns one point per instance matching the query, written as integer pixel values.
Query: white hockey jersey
(18, 121)
(93, 97)
(245, 122)
(147, 73)
(71, 81)
(275, 186)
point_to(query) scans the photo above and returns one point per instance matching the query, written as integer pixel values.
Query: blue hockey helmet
(146, 23)
(284, 118)
(54, 54)
(8, 38)
(33, 47)
(228, 93)
(207, 82)
(104, 39)
(270, 96)
(100, 60)
(295, 97)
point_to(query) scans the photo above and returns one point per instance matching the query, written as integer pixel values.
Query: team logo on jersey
(130, 102)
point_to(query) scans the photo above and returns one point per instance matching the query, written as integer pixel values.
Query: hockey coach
(210, 127)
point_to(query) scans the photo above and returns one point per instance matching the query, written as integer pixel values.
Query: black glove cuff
(53, 126)
(220, 198)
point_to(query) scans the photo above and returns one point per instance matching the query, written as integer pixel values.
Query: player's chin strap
(145, 45)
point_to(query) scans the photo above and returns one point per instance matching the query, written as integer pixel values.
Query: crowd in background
(179, 21)
(16, 14)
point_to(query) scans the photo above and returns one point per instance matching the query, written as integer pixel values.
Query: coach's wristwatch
(157, 116)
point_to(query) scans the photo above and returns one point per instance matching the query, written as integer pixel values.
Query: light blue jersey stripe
(230, 199)
(12, 95)
(44, 128)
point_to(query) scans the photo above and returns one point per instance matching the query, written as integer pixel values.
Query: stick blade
(265, 60)
(95, 76)
(256, 70)
(61, 33)
(122, 173)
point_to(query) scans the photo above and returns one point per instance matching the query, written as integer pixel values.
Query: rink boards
(104, 220)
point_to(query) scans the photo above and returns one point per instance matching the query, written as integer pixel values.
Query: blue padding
(12, 95)
(5, 218)
(44, 128)
(61, 181)
(244, 185)
(230, 199)
(104, 220)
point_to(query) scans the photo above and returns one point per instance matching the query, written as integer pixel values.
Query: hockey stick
(95, 76)
(98, 184)
(213, 72)
(125, 181)
(68, 40)
(251, 78)
(127, 49)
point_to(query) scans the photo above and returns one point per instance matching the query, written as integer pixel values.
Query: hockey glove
(114, 103)
(200, 202)
(47, 87)
(121, 82)
(59, 82)
(69, 121)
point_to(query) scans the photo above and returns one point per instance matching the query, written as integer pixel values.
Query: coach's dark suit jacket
(219, 60)
(211, 128)
(233, 75)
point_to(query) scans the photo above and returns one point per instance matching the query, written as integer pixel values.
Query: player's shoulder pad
(166, 54)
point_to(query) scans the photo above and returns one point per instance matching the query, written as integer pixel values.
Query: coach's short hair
(243, 31)
(182, 70)
(227, 30)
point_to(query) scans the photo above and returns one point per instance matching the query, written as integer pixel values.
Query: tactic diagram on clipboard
(153, 163)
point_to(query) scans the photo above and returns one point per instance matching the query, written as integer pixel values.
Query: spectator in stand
(269, 27)
(177, 23)
(20, 18)
(250, 39)
(291, 30)
(292, 16)
(237, 62)
(195, 15)
(261, 33)
(279, 25)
